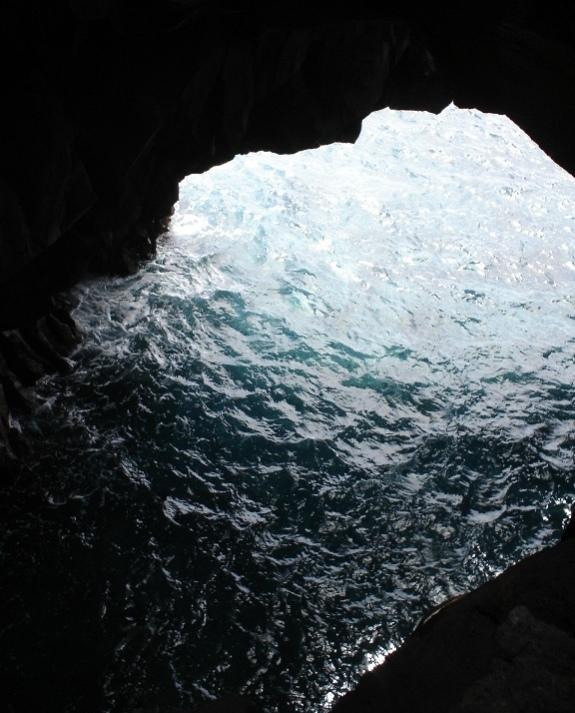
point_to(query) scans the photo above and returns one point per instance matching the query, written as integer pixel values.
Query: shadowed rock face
(107, 104)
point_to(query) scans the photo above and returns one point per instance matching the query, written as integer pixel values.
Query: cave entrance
(341, 393)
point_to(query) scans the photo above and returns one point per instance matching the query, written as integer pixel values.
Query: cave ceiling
(107, 104)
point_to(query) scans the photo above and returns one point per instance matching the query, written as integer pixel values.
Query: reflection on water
(341, 393)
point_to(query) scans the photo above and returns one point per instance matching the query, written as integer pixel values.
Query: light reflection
(558, 505)
(373, 660)
(341, 687)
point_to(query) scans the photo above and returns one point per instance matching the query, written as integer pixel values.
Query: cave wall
(109, 104)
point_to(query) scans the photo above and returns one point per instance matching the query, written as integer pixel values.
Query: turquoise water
(341, 393)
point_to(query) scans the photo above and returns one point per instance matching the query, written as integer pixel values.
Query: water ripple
(332, 401)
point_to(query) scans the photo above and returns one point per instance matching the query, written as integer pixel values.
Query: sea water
(341, 393)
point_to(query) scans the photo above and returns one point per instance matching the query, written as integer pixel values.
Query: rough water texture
(341, 393)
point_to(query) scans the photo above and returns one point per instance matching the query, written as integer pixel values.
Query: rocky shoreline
(508, 646)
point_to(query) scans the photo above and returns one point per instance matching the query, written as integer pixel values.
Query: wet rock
(39, 339)
(20, 358)
(8, 458)
(17, 396)
(27, 355)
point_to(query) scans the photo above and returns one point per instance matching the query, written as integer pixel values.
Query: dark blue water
(341, 393)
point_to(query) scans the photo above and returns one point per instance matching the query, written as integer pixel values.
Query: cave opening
(340, 394)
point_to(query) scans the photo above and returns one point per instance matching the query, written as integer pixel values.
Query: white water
(342, 392)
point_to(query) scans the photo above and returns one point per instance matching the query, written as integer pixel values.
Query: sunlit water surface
(341, 393)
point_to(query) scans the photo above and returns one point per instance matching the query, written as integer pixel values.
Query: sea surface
(342, 392)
